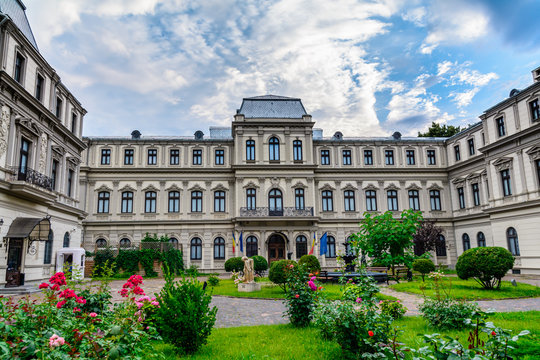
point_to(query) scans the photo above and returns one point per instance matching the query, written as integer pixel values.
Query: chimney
(536, 75)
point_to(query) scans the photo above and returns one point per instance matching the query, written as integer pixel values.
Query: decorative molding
(503, 163)
(299, 185)
(250, 184)
(150, 187)
(103, 188)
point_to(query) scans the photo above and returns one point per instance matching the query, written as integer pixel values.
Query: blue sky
(366, 68)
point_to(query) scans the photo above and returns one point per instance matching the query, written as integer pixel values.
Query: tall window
(150, 202)
(299, 199)
(348, 195)
(297, 150)
(54, 173)
(506, 182)
(196, 249)
(174, 201)
(371, 200)
(325, 157)
(152, 156)
(47, 256)
(435, 199)
(476, 194)
(196, 201)
(105, 156)
(251, 199)
(125, 243)
(58, 111)
(440, 248)
(461, 197)
(275, 201)
(538, 169)
(368, 157)
(481, 239)
(19, 68)
(466, 242)
(197, 157)
(471, 146)
(219, 248)
(250, 150)
(128, 156)
(410, 157)
(174, 157)
(219, 201)
(220, 157)
(73, 123)
(71, 173)
(414, 200)
(347, 158)
(513, 243)
(392, 200)
(252, 247)
(431, 157)
(127, 202)
(331, 247)
(24, 155)
(301, 246)
(456, 153)
(500, 126)
(103, 202)
(327, 201)
(66, 240)
(389, 157)
(273, 149)
(39, 87)
(535, 110)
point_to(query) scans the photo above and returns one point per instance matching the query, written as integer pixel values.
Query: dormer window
(500, 126)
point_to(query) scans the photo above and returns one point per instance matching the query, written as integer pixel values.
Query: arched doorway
(276, 248)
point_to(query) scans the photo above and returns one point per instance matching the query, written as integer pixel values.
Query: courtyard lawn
(470, 289)
(287, 342)
(227, 287)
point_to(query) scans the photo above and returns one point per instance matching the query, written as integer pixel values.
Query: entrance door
(276, 248)
(14, 261)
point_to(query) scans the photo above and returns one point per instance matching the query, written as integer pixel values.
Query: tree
(486, 265)
(427, 237)
(436, 130)
(388, 240)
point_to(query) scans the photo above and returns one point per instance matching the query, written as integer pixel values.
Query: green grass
(287, 342)
(471, 290)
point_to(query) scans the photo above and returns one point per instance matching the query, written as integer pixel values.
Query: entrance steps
(19, 290)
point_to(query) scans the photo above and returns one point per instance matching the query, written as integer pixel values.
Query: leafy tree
(436, 130)
(388, 240)
(427, 237)
(486, 265)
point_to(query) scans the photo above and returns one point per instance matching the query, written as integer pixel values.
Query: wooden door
(14, 261)
(276, 248)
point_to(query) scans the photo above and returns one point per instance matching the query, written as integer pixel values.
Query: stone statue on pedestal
(248, 270)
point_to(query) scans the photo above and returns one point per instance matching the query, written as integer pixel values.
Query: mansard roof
(15, 9)
(272, 107)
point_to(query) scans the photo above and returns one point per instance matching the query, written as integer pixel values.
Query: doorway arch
(276, 247)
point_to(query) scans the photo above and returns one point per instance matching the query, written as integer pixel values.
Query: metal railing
(285, 212)
(31, 176)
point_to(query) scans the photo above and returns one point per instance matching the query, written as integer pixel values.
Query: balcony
(32, 177)
(283, 212)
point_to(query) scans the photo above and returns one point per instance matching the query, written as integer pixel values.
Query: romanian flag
(233, 243)
(312, 245)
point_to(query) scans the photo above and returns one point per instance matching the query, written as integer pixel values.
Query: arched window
(196, 249)
(250, 150)
(275, 201)
(513, 244)
(101, 243)
(47, 256)
(440, 248)
(103, 202)
(466, 242)
(125, 243)
(297, 150)
(481, 239)
(219, 248)
(331, 247)
(66, 240)
(252, 248)
(173, 243)
(301, 246)
(273, 149)
(173, 240)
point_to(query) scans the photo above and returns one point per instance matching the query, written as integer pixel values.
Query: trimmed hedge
(311, 263)
(486, 265)
(234, 264)
(278, 272)
(423, 266)
(260, 264)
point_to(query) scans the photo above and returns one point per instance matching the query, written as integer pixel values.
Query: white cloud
(416, 16)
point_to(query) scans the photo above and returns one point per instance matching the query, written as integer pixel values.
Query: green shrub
(260, 264)
(234, 264)
(103, 258)
(487, 265)
(193, 271)
(213, 280)
(184, 318)
(423, 266)
(146, 258)
(447, 313)
(311, 263)
(278, 272)
(301, 295)
(128, 260)
(363, 288)
(174, 260)
(394, 309)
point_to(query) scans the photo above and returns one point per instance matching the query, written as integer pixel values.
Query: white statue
(248, 270)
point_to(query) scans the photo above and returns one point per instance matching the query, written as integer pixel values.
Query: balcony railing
(31, 176)
(285, 212)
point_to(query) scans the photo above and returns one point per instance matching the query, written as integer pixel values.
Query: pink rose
(155, 303)
(358, 300)
(43, 285)
(312, 285)
(92, 314)
(60, 304)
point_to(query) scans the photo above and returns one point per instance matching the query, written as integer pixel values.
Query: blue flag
(241, 242)
(322, 244)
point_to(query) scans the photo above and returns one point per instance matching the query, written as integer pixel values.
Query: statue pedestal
(249, 287)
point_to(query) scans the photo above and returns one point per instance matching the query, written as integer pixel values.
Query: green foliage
(193, 271)
(128, 260)
(103, 258)
(154, 238)
(436, 130)
(279, 271)
(423, 266)
(260, 265)
(393, 309)
(363, 288)
(146, 258)
(184, 318)
(213, 280)
(486, 265)
(174, 260)
(311, 263)
(301, 295)
(234, 264)
(98, 302)
(388, 240)
(447, 313)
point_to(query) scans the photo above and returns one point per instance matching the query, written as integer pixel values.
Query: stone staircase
(19, 290)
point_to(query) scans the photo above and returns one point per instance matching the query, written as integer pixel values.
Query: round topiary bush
(260, 264)
(234, 264)
(311, 262)
(423, 266)
(278, 272)
(486, 265)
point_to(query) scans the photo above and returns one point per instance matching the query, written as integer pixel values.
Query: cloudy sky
(171, 67)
